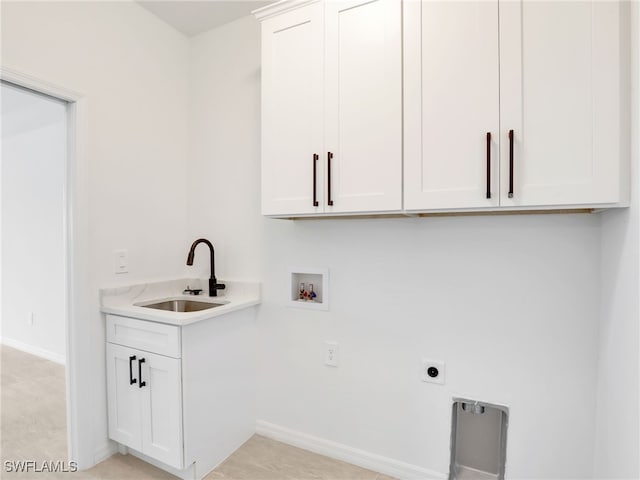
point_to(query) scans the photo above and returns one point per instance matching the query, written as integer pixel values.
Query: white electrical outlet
(433, 371)
(331, 354)
(30, 318)
(120, 261)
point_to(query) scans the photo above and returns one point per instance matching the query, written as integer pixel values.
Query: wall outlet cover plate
(331, 352)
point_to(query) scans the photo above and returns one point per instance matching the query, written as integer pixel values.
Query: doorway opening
(34, 281)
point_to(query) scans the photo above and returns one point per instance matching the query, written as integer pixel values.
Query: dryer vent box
(478, 440)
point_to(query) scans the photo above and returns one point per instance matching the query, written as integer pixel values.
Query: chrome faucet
(214, 286)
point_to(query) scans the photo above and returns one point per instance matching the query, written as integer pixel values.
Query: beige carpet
(33, 409)
(33, 427)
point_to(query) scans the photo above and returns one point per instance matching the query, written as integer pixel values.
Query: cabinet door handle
(488, 164)
(510, 163)
(329, 199)
(315, 175)
(131, 379)
(140, 362)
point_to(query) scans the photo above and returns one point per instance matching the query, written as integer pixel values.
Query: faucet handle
(189, 291)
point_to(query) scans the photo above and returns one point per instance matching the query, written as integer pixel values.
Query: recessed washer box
(305, 280)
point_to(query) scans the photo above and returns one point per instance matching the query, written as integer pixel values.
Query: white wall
(223, 171)
(617, 439)
(34, 143)
(132, 70)
(510, 303)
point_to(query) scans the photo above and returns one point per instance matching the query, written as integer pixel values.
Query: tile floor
(33, 427)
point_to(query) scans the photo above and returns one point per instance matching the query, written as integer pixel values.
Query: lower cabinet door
(125, 424)
(161, 412)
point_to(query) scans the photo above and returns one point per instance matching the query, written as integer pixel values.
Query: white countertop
(124, 300)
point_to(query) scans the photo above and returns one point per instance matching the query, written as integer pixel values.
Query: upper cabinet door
(363, 106)
(292, 82)
(451, 102)
(561, 90)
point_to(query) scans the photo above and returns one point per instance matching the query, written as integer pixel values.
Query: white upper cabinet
(363, 105)
(544, 79)
(560, 83)
(331, 107)
(452, 103)
(384, 106)
(292, 94)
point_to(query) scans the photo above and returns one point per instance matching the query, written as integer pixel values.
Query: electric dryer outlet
(433, 371)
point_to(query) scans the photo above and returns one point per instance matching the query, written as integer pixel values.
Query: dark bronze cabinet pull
(329, 199)
(488, 164)
(315, 175)
(140, 362)
(510, 163)
(131, 379)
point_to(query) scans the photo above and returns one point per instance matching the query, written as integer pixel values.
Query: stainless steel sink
(182, 305)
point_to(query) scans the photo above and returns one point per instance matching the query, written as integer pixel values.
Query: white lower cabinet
(182, 397)
(145, 403)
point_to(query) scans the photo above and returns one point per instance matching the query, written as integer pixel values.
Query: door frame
(76, 271)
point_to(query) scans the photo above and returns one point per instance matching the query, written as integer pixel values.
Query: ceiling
(193, 17)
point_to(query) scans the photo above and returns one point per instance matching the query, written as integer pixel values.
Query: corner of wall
(617, 435)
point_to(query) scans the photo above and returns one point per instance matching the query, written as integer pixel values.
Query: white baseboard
(104, 452)
(188, 473)
(372, 461)
(37, 351)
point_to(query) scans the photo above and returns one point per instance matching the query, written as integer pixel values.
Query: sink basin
(182, 305)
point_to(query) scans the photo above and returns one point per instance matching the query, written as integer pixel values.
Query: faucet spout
(214, 286)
